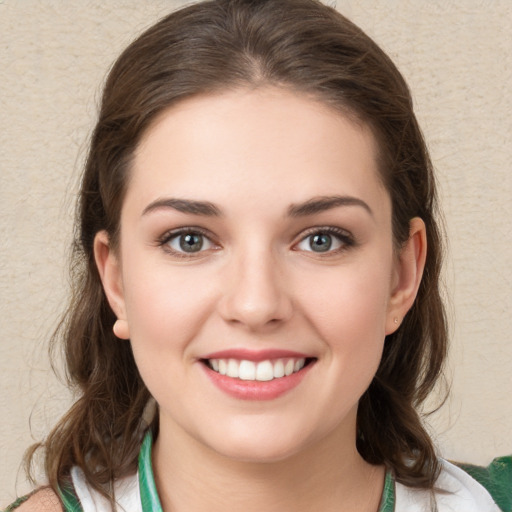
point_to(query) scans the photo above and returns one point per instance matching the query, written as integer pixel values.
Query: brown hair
(210, 47)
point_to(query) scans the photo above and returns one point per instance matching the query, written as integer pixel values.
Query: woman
(261, 257)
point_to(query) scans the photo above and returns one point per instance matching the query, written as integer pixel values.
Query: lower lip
(254, 389)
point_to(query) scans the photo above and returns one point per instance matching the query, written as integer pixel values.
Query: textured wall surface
(457, 57)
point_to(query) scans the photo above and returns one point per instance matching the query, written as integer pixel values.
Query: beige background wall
(457, 57)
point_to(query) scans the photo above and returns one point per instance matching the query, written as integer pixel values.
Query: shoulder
(463, 487)
(496, 478)
(42, 500)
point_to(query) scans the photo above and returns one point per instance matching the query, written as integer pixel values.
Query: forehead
(266, 146)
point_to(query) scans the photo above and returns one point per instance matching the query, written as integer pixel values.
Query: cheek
(349, 298)
(165, 309)
(166, 305)
(348, 309)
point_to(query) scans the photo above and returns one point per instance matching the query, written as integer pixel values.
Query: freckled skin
(257, 283)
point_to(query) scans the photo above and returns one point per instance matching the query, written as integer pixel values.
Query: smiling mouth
(262, 371)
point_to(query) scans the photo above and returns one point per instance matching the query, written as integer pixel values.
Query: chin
(262, 445)
(260, 454)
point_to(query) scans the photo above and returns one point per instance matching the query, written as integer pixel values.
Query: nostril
(256, 296)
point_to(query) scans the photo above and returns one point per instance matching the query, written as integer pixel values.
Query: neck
(329, 476)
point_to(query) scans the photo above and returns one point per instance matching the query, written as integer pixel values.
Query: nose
(257, 296)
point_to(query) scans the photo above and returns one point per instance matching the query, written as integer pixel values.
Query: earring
(121, 330)
(395, 320)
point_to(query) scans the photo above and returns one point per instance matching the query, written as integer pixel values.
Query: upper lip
(255, 355)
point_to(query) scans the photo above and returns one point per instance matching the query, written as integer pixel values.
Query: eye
(185, 242)
(325, 240)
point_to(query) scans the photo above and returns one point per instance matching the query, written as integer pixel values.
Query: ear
(109, 268)
(408, 274)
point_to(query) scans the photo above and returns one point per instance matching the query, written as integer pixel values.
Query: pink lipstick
(256, 375)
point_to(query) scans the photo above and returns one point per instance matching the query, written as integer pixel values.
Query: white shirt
(465, 494)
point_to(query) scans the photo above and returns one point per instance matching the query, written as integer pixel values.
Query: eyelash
(345, 239)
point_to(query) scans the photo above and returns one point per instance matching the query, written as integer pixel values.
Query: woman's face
(255, 271)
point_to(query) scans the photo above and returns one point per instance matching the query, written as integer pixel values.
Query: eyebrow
(185, 206)
(324, 203)
(207, 209)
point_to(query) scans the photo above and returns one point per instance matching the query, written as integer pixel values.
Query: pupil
(321, 242)
(191, 243)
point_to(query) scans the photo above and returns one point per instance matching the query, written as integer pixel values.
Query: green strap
(387, 503)
(496, 478)
(148, 493)
(69, 498)
(17, 503)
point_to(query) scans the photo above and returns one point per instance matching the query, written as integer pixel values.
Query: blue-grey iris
(191, 242)
(320, 242)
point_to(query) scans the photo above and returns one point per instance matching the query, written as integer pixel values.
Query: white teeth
(299, 364)
(232, 370)
(262, 371)
(247, 370)
(278, 369)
